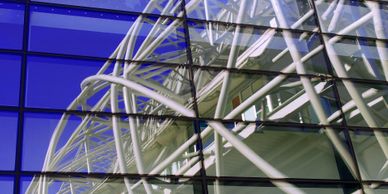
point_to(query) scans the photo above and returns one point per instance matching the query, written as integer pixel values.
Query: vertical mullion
(199, 145)
(344, 125)
(22, 94)
(193, 92)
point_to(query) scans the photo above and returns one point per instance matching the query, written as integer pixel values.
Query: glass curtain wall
(194, 96)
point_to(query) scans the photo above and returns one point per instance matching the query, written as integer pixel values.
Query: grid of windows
(193, 96)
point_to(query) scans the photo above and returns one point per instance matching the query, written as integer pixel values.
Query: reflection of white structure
(127, 145)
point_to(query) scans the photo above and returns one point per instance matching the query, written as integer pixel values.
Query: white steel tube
(255, 159)
(116, 130)
(313, 96)
(221, 104)
(139, 88)
(380, 34)
(336, 16)
(356, 96)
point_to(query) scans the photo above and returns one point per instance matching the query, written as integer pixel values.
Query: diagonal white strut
(125, 87)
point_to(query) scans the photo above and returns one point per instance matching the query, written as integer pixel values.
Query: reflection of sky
(88, 33)
(55, 82)
(124, 5)
(9, 79)
(38, 129)
(76, 32)
(11, 25)
(54, 187)
(8, 128)
(6, 185)
(50, 20)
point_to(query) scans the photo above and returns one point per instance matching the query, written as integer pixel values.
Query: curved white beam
(141, 89)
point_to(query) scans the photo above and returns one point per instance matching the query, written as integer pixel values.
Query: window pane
(371, 110)
(262, 49)
(164, 7)
(270, 98)
(8, 130)
(89, 144)
(79, 85)
(370, 148)
(110, 185)
(55, 82)
(148, 89)
(361, 58)
(38, 131)
(6, 185)
(99, 34)
(266, 188)
(293, 152)
(335, 15)
(11, 25)
(77, 32)
(9, 79)
(258, 12)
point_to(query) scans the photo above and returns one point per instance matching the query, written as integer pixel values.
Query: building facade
(194, 96)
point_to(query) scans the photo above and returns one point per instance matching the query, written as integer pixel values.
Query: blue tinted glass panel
(106, 185)
(6, 185)
(54, 185)
(11, 25)
(165, 7)
(171, 82)
(8, 128)
(38, 130)
(76, 32)
(25, 182)
(55, 82)
(9, 79)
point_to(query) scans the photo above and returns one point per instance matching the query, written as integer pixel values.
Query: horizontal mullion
(184, 118)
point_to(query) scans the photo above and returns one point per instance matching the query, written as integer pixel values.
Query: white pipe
(167, 161)
(224, 92)
(135, 141)
(336, 16)
(351, 27)
(358, 100)
(314, 98)
(380, 34)
(117, 132)
(137, 151)
(141, 89)
(329, 9)
(208, 25)
(300, 21)
(260, 163)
